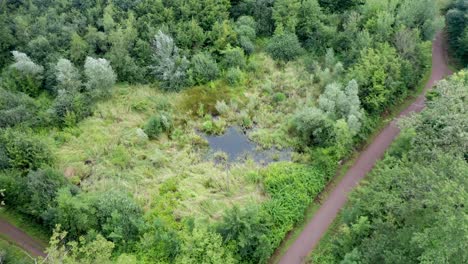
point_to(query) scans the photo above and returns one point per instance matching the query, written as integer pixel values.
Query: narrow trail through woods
(323, 218)
(21, 239)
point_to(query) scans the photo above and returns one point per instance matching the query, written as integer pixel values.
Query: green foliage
(379, 74)
(284, 47)
(339, 5)
(233, 58)
(234, 76)
(100, 77)
(23, 150)
(203, 246)
(84, 251)
(247, 229)
(203, 68)
(169, 68)
(412, 205)
(18, 108)
(156, 125)
(313, 127)
(285, 14)
(119, 218)
(42, 186)
(457, 29)
(23, 75)
(291, 188)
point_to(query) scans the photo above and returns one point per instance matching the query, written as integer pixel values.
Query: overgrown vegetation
(457, 29)
(412, 204)
(119, 172)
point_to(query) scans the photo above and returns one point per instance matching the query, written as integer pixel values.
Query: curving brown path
(316, 228)
(20, 238)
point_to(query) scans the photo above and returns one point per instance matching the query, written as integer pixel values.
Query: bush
(203, 68)
(100, 77)
(67, 76)
(233, 57)
(313, 127)
(157, 125)
(23, 75)
(18, 109)
(23, 151)
(234, 76)
(70, 107)
(42, 186)
(284, 47)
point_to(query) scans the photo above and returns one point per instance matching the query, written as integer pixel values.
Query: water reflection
(239, 148)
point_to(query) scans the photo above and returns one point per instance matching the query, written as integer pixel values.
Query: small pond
(238, 148)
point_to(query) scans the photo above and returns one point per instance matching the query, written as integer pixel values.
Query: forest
(105, 107)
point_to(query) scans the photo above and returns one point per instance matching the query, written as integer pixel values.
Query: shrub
(313, 127)
(100, 77)
(284, 47)
(24, 151)
(18, 109)
(203, 68)
(234, 76)
(279, 97)
(68, 77)
(23, 75)
(157, 125)
(42, 186)
(233, 57)
(69, 107)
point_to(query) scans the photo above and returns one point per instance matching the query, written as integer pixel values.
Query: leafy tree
(379, 75)
(339, 5)
(100, 77)
(24, 75)
(24, 151)
(190, 35)
(160, 243)
(203, 246)
(233, 58)
(78, 49)
(18, 109)
(203, 68)
(263, 15)
(68, 77)
(222, 36)
(83, 251)
(42, 186)
(285, 14)
(169, 68)
(75, 213)
(313, 126)
(118, 217)
(339, 103)
(457, 29)
(248, 230)
(284, 47)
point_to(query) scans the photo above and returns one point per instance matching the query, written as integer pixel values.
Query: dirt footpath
(316, 228)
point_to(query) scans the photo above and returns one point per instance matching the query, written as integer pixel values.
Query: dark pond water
(239, 148)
